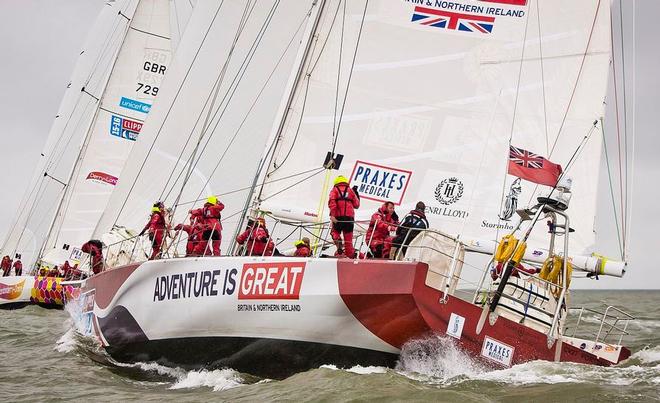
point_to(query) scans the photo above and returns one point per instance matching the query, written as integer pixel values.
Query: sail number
(147, 89)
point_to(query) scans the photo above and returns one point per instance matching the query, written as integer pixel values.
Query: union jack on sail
(532, 167)
(454, 21)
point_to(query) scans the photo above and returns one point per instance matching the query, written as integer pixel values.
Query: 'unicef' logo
(449, 191)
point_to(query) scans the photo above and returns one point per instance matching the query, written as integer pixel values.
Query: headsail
(215, 112)
(423, 102)
(37, 209)
(135, 79)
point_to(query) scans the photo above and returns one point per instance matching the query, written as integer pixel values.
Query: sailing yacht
(412, 101)
(111, 92)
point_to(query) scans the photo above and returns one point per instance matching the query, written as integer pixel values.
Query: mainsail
(135, 79)
(424, 100)
(215, 111)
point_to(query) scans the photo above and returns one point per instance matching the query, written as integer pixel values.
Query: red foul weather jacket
(343, 201)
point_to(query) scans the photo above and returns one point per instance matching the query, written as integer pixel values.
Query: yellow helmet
(212, 199)
(155, 209)
(299, 242)
(340, 179)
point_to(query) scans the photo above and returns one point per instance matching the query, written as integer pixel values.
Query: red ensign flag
(532, 167)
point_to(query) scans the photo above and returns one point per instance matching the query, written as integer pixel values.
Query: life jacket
(343, 201)
(379, 226)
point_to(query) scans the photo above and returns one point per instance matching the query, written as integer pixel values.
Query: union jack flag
(451, 20)
(525, 158)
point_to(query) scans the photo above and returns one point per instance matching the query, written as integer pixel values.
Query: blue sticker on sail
(134, 105)
(124, 128)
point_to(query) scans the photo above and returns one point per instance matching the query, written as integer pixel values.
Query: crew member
(18, 267)
(94, 248)
(411, 226)
(342, 203)
(256, 239)
(212, 234)
(303, 248)
(378, 233)
(157, 228)
(195, 244)
(5, 265)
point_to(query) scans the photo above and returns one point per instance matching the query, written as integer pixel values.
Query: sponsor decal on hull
(263, 280)
(11, 291)
(208, 283)
(497, 351)
(379, 182)
(124, 128)
(102, 177)
(455, 326)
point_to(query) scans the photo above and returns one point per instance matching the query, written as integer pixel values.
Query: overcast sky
(41, 40)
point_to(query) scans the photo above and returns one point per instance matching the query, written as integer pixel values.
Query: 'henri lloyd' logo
(271, 280)
(380, 183)
(449, 191)
(102, 177)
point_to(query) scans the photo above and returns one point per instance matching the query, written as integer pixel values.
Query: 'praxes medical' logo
(380, 183)
(449, 191)
(125, 128)
(263, 280)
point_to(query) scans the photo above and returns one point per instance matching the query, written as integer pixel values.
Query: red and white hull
(277, 316)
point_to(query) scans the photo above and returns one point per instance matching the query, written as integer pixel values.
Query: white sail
(137, 73)
(36, 211)
(249, 48)
(424, 99)
(180, 12)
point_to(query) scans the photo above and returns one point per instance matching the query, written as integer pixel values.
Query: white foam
(358, 369)
(220, 379)
(435, 359)
(67, 343)
(648, 355)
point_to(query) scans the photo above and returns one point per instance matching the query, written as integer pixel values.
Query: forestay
(423, 99)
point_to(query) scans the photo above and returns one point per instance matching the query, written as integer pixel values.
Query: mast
(282, 114)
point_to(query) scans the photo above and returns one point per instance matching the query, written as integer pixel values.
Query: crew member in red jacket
(18, 267)
(302, 248)
(212, 234)
(194, 231)
(5, 265)
(380, 226)
(256, 239)
(157, 228)
(95, 249)
(342, 203)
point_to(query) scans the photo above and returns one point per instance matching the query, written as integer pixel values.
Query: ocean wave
(67, 343)
(648, 355)
(436, 359)
(358, 369)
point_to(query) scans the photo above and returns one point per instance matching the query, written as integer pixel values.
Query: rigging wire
(228, 97)
(256, 99)
(211, 113)
(169, 111)
(618, 133)
(545, 109)
(625, 111)
(577, 79)
(609, 177)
